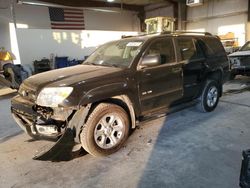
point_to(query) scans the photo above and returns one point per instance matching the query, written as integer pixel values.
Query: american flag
(66, 18)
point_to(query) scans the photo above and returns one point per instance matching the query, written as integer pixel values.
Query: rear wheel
(209, 97)
(106, 130)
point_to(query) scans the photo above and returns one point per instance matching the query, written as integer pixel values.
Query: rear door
(161, 85)
(192, 58)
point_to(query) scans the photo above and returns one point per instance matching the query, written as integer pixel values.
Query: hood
(69, 76)
(240, 53)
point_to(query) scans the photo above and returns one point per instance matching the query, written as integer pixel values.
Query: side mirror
(151, 60)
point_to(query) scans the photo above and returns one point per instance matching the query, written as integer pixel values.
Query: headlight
(52, 96)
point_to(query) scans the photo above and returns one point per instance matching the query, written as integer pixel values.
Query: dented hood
(70, 76)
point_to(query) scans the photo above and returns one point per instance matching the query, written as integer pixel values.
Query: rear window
(212, 47)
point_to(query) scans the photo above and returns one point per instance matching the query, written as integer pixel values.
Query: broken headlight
(53, 96)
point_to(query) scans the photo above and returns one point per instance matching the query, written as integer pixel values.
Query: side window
(207, 50)
(245, 47)
(199, 52)
(187, 48)
(212, 47)
(163, 47)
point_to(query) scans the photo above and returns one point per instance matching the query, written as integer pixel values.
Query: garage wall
(35, 44)
(37, 40)
(159, 9)
(37, 17)
(5, 18)
(4, 35)
(220, 17)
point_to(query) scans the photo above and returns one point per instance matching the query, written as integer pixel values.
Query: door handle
(175, 70)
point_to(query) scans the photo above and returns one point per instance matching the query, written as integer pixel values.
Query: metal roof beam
(92, 3)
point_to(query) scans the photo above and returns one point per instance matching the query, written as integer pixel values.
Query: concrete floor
(184, 149)
(7, 124)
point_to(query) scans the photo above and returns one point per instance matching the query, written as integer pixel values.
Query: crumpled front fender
(62, 149)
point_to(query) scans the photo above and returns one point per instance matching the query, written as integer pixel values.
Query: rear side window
(212, 47)
(187, 48)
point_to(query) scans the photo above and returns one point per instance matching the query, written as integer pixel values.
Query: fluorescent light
(110, 1)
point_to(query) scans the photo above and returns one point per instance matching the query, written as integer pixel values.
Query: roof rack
(187, 32)
(138, 35)
(177, 32)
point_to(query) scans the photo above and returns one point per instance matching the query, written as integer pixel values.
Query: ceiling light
(110, 1)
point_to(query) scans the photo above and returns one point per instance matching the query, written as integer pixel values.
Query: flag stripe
(70, 16)
(72, 9)
(74, 20)
(71, 21)
(68, 28)
(56, 24)
(66, 18)
(74, 13)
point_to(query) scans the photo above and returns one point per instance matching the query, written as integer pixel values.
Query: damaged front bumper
(36, 121)
(50, 124)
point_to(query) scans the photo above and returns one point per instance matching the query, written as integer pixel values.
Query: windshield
(245, 47)
(117, 54)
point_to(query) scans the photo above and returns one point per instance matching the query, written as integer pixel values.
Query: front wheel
(106, 130)
(209, 97)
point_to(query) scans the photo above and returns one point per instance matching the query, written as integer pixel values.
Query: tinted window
(199, 52)
(163, 47)
(212, 47)
(187, 48)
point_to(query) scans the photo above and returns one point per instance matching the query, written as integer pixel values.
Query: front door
(159, 86)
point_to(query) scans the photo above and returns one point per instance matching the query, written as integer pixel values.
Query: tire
(106, 130)
(209, 97)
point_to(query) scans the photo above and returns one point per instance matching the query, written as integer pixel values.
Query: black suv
(95, 104)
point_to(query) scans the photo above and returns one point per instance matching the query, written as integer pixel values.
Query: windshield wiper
(110, 65)
(88, 63)
(114, 65)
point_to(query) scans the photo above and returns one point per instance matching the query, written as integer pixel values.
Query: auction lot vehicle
(240, 61)
(96, 104)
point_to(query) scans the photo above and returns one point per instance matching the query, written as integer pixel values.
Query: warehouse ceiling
(134, 5)
(130, 2)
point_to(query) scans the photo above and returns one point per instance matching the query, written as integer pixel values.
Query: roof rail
(187, 32)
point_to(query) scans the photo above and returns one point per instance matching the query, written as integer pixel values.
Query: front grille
(245, 61)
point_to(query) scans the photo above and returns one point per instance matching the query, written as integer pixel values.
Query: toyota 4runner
(95, 104)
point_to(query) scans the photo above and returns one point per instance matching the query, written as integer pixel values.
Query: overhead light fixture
(110, 1)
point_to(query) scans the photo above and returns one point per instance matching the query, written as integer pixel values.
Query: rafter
(92, 3)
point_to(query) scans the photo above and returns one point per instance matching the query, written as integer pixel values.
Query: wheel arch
(122, 101)
(216, 75)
